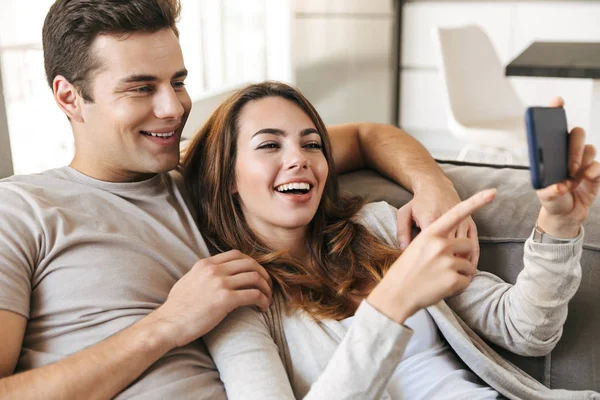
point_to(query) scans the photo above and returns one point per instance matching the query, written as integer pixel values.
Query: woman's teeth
(293, 186)
(161, 135)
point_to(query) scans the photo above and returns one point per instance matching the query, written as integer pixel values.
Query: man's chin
(165, 165)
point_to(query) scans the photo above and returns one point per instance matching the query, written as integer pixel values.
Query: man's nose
(168, 105)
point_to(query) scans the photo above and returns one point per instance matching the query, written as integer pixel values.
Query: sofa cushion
(503, 227)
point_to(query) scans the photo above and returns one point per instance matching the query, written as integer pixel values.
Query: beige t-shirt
(82, 259)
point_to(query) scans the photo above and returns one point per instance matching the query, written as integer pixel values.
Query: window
(225, 43)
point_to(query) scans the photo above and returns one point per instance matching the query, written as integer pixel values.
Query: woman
(260, 173)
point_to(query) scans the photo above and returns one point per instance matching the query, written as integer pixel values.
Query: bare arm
(12, 329)
(98, 372)
(387, 149)
(400, 157)
(197, 302)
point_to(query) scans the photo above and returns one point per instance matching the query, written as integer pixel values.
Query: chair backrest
(476, 87)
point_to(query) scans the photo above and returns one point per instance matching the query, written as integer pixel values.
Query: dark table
(557, 60)
(396, 52)
(564, 60)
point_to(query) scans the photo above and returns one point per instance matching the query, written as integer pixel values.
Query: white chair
(484, 110)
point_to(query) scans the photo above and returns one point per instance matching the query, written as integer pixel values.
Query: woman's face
(280, 168)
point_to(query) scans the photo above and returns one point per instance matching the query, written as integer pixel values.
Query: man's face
(132, 128)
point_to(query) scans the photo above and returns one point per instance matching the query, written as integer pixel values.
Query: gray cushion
(503, 227)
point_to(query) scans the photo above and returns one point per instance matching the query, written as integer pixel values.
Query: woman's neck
(292, 241)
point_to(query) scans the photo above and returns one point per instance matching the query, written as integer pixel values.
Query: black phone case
(548, 143)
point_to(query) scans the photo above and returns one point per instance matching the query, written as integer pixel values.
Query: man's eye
(142, 89)
(179, 85)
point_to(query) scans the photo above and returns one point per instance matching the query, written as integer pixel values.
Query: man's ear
(68, 98)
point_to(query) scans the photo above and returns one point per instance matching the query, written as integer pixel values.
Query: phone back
(548, 140)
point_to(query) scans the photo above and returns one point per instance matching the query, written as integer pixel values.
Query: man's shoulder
(178, 182)
(23, 197)
(66, 186)
(33, 182)
(176, 175)
(36, 178)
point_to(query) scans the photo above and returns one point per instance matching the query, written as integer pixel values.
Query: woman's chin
(296, 221)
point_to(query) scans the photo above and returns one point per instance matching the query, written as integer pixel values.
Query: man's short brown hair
(71, 27)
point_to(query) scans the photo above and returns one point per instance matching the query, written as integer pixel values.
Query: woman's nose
(297, 159)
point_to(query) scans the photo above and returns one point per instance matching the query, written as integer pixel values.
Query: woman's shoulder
(380, 219)
(377, 209)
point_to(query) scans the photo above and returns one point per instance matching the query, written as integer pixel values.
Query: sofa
(503, 227)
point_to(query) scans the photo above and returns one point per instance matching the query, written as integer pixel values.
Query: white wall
(342, 57)
(225, 43)
(203, 106)
(6, 167)
(512, 26)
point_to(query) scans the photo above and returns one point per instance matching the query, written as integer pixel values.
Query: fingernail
(402, 245)
(489, 194)
(574, 169)
(559, 188)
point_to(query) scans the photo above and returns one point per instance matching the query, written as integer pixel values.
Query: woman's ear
(234, 188)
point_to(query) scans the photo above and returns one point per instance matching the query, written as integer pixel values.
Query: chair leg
(464, 151)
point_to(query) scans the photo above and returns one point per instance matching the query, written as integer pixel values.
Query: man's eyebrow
(151, 78)
(279, 132)
(180, 74)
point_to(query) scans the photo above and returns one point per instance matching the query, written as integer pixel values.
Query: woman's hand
(565, 205)
(434, 266)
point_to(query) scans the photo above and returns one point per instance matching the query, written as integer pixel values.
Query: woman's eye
(313, 145)
(268, 146)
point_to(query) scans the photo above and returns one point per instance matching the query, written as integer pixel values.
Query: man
(105, 281)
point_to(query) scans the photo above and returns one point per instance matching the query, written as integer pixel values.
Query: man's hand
(435, 266)
(427, 206)
(213, 288)
(400, 157)
(196, 303)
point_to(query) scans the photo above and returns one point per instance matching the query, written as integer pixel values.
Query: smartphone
(548, 143)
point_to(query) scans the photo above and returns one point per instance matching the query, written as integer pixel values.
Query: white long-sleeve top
(278, 355)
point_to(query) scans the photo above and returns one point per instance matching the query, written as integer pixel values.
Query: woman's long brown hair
(346, 256)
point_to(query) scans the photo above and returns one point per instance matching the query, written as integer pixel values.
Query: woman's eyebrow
(269, 131)
(309, 131)
(280, 132)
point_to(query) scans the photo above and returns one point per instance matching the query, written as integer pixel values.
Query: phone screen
(548, 142)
